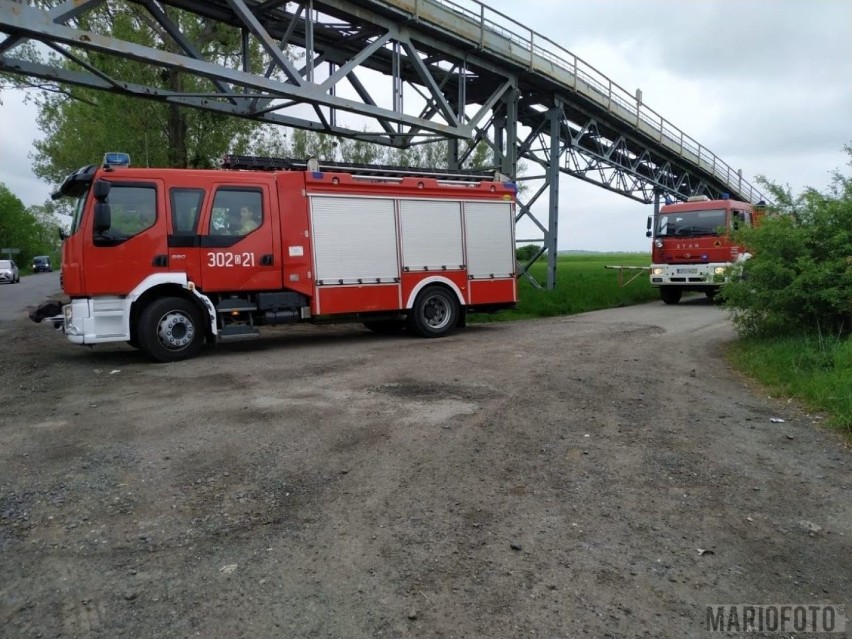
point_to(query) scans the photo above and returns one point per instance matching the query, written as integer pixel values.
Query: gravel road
(553, 478)
(32, 289)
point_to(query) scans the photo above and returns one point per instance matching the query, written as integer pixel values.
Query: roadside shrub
(800, 276)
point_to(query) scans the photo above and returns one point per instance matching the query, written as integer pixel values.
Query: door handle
(161, 260)
(267, 260)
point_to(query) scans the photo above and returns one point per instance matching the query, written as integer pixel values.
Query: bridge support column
(551, 236)
(541, 151)
(509, 161)
(453, 162)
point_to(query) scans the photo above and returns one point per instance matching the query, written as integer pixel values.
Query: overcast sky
(764, 84)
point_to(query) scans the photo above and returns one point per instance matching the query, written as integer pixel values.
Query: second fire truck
(692, 247)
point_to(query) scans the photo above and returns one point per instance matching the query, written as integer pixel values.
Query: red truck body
(692, 247)
(407, 251)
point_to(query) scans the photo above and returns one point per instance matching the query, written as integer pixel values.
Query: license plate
(687, 271)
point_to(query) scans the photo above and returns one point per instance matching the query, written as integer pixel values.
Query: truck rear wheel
(670, 294)
(170, 330)
(435, 312)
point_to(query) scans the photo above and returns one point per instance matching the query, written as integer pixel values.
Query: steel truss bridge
(399, 73)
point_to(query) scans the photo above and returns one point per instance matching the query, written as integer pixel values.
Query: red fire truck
(166, 259)
(692, 247)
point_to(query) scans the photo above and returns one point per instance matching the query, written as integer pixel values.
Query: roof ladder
(260, 163)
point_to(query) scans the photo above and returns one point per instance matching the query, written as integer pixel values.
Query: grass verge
(817, 371)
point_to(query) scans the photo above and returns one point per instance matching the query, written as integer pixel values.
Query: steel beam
(23, 21)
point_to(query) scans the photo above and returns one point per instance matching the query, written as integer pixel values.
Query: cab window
(77, 216)
(186, 207)
(740, 219)
(133, 210)
(236, 212)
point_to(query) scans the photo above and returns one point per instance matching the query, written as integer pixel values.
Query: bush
(800, 276)
(525, 253)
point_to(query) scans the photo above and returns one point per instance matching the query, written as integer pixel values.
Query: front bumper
(97, 321)
(689, 275)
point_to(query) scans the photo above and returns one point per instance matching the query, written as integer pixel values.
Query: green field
(583, 284)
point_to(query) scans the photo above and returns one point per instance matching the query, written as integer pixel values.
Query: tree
(48, 223)
(24, 230)
(800, 276)
(81, 124)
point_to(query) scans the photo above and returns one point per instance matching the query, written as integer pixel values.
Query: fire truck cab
(692, 247)
(166, 259)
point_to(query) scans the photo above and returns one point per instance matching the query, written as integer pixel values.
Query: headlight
(67, 312)
(657, 271)
(658, 243)
(719, 270)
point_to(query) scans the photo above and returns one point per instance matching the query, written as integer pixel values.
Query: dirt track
(552, 479)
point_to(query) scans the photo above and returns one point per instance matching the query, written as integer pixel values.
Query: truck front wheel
(670, 294)
(435, 312)
(170, 329)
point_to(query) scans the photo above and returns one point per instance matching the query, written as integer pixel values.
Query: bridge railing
(498, 33)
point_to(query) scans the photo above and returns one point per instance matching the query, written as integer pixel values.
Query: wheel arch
(176, 286)
(435, 280)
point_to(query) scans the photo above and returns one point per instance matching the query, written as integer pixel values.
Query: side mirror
(103, 217)
(101, 190)
(648, 234)
(62, 234)
(648, 224)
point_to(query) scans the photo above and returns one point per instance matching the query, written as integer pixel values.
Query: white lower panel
(97, 321)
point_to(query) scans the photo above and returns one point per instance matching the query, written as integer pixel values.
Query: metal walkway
(396, 72)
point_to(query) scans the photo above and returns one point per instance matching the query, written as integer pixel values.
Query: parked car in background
(41, 264)
(9, 272)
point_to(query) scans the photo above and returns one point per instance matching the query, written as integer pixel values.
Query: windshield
(691, 223)
(77, 216)
(5, 264)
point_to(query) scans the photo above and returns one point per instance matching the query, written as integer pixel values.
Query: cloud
(706, 39)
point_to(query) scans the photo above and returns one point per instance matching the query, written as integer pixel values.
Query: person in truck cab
(248, 220)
